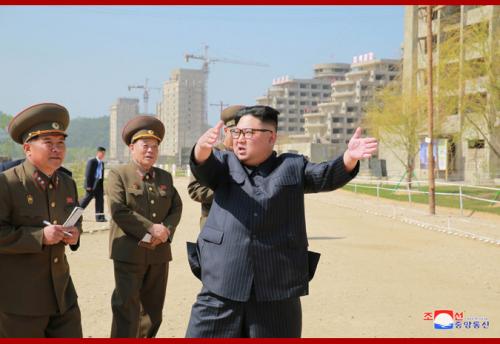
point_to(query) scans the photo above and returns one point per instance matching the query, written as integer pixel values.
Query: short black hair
(101, 149)
(266, 114)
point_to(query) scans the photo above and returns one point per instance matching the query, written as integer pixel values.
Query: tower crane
(207, 60)
(145, 95)
(221, 105)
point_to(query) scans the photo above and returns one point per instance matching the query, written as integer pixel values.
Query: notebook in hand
(73, 217)
(146, 242)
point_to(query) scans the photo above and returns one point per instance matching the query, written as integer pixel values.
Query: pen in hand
(47, 223)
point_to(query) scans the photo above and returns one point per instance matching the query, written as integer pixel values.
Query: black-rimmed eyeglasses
(247, 132)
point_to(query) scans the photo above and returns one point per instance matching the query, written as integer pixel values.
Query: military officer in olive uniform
(143, 203)
(37, 296)
(203, 194)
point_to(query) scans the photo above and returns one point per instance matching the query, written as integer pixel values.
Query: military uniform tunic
(202, 194)
(137, 200)
(35, 277)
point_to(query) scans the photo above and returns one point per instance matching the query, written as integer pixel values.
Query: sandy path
(376, 276)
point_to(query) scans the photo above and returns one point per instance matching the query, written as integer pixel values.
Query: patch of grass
(78, 170)
(451, 201)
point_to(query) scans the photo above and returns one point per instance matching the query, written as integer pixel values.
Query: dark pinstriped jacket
(256, 230)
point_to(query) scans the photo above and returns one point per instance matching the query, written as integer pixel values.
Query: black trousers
(98, 194)
(138, 298)
(66, 325)
(213, 316)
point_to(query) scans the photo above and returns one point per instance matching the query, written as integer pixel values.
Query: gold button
(154, 214)
(56, 260)
(50, 186)
(150, 188)
(152, 201)
(147, 177)
(54, 222)
(53, 204)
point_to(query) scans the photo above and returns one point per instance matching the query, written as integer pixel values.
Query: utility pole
(221, 105)
(430, 112)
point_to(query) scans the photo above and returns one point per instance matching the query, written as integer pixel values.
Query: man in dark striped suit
(253, 247)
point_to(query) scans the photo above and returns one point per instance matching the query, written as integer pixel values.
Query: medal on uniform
(29, 199)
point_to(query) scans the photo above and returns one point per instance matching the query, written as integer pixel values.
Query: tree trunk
(409, 171)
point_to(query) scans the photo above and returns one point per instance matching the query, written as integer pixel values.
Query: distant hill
(88, 132)
(84, 135)
(82, 132)
(3, 134)
(4, 120)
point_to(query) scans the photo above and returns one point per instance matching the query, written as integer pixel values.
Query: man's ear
(274, 136)
(27, 149)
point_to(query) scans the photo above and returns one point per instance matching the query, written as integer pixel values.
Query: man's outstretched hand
(206, 142)
(359, 148)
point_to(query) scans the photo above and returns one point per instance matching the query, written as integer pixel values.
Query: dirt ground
(376, 276)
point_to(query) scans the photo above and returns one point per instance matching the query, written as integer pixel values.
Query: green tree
(396, 119)
(469, 77)
(4, 120)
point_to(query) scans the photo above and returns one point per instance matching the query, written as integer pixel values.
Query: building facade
(335, 120)
(120, 113)
(182, 110)
(464, 152)
(350, 97)
(294, 97)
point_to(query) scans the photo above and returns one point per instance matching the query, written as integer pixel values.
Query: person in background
(203, 194)
(94, 180)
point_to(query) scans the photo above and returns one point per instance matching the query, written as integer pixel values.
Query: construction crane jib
(145, 95)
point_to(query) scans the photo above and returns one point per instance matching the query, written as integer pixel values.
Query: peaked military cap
(39, 119)
(143, 127)
(228, 115)
(265, 113)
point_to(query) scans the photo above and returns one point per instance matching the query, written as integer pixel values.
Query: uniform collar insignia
(42, 181)
(146, 175)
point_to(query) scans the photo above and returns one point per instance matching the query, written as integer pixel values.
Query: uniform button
(56, 260)
(147, 177)
(255, 214)
(152, 201)
(154, 214)
(54, 222)
(150, 188)
(53, 204)
(50, 186)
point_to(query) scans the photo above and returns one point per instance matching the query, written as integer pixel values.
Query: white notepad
(73, 217)
(147, 238)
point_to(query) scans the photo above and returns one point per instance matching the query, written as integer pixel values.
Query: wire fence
(480, 229)
(453, 195)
